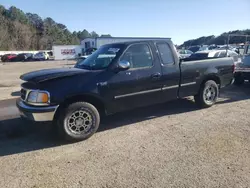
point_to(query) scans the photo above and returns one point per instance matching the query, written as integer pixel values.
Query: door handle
(156, 75)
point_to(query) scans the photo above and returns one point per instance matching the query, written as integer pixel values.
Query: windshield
(101, 58)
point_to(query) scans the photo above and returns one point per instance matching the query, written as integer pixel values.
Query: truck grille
(23, 94)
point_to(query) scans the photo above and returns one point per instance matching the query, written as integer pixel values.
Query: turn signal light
(42, 98)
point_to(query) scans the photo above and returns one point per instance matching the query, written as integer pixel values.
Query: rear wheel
(207, 95)
(79, 121)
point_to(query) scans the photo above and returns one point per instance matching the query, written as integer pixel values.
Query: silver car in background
(184, 53)
(207, 54)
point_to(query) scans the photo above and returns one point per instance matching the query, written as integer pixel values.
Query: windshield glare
(101, 58)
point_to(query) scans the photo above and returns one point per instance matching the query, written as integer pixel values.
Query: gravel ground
(169, 145)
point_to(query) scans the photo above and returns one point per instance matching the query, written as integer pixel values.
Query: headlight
(40, 97)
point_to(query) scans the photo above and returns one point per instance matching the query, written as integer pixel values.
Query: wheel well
(86, 98)
(214, 78)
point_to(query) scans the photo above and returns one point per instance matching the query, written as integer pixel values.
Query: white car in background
(41, 56)
(184, 53)
(200, 55)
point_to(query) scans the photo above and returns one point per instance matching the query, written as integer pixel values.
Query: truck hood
(49, 74)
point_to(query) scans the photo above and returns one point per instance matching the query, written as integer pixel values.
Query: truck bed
(196, 72)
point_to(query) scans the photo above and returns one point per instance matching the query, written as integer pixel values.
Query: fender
(212, 74)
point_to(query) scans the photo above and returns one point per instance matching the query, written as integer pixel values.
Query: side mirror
(123, 65)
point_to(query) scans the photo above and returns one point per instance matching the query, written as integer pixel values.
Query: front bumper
(36, 113)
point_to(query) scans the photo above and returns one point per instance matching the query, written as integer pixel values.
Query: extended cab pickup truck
(115, 78)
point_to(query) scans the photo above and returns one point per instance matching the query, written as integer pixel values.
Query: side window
(139, 56)
(165, 53)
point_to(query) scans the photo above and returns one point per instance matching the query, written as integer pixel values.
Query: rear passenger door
(170, 71)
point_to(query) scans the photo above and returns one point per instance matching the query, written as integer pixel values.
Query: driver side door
(141, 84)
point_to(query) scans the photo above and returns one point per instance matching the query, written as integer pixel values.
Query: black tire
(203, 99)
(67, 132)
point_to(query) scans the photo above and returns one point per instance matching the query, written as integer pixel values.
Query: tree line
(219, 40)
(28, 31)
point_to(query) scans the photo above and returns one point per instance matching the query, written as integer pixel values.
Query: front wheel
(207, 95)
(79, 121)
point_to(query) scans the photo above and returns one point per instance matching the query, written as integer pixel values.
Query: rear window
(165, 53)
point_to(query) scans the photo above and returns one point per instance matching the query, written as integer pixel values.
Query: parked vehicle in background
(194, 48)
(198, 48)
(7, 57)
(184, 53)
(41, 56)
(23, 57)
(89, 51)
(228, 47)
(81, 58)
(242, 70)
(115, 78)
(29, 57)
(208, 54)
(212, 47)
(50, 53)
(62, 52)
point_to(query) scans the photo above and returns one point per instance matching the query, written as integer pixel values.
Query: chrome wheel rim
(80, 122)
(209, 94)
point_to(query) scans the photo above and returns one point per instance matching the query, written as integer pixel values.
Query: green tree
(20, 31)
(94, 34)
(16, 14)
(35, 20)
(106, 35)
(83, 34)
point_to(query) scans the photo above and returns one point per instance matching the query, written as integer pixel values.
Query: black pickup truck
(118, 77)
